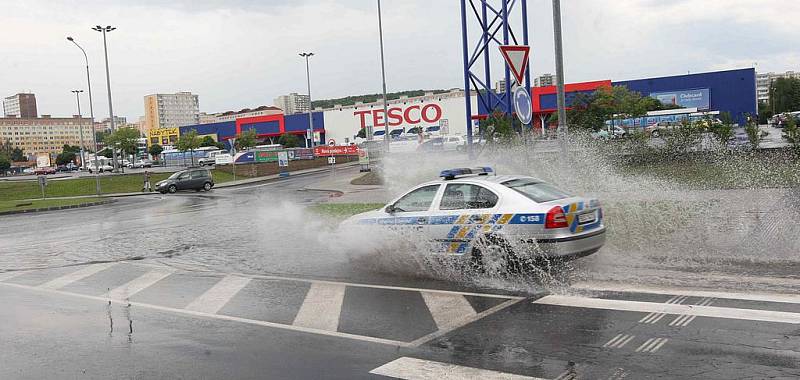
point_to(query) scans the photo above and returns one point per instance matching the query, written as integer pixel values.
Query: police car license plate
(586, 218)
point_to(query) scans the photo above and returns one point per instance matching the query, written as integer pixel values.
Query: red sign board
(347, 150)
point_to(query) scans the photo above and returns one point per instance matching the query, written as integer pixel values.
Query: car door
(199, 178)
(183, 181)
(464, 211)
(410, 213)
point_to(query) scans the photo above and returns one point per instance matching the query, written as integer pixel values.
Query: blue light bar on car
(453, 173)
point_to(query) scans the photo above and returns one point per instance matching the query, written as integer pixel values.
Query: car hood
(366, 217)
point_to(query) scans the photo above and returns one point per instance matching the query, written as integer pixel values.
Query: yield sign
(516, 57)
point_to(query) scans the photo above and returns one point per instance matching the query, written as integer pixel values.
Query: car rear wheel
(207, 186)
(493, 256)
(172, 189)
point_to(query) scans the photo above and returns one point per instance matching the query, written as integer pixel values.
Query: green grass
(109, 184)
(343, 210)
(7, 205)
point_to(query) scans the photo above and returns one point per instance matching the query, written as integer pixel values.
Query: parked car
(189, 179)
(210, 159)
(141, 164)
(28, 171)
(44, 170)
(102, 168)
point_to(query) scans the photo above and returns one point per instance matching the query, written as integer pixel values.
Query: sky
(239, 54)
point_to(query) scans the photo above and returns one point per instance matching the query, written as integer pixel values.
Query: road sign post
(283, 162)
(42, 184)
(516, 57)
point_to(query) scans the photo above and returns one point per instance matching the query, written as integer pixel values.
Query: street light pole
(562, 113)
(80, 126)
(105, 30)
(91, 116)
(383, 78)
(310, 132)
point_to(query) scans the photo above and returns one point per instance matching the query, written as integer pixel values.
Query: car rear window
(539, 192)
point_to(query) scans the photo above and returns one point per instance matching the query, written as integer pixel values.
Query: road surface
(245, 283)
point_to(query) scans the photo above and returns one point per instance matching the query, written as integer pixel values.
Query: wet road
(245, 283)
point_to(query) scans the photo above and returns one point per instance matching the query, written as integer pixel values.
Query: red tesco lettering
(415, 114)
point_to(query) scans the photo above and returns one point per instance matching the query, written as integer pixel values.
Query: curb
(14, 212)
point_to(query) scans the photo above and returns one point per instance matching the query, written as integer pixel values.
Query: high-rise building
(105, 124)
(544, 80)
(293, 103)
(764, 81)
(171, 110)
(45, 135)
(20, 105)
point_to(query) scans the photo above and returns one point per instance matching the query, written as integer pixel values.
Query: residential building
(500, 86)
(104, 125)
(207, 118)
(258, 111)
(46, 134)
(293, 103)
(171, 110)
(544, 80)
(764, 81)
(20, 105)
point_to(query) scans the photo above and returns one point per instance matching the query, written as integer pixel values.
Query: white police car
(496, 222)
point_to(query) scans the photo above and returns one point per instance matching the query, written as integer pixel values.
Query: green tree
(188, 141)
(105, 152)
(791, 132)
(246, 139)
(784, 95)
(18, 155)
(591, 111)
(4, 165)
(64, 158)
(722, 131)
(125, 139)
(288, 140)
(208, 141)
(155, 150)
(754, 135)
(6, 148)
(362, 133)
(498, 127)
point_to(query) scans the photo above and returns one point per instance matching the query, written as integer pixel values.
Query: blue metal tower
(489, 17)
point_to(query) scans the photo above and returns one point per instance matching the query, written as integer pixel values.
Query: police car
(496, 222)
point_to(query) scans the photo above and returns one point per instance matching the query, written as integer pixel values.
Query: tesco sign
(412, 115)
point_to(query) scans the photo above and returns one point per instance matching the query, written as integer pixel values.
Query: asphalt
(243, 283)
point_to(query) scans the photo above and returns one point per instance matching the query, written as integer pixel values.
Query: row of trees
(9, 154)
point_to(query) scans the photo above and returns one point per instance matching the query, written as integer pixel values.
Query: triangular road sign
(516, 57)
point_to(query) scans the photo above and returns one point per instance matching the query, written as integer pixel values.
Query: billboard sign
(347, 150)
(698, 98)
(266, 156)
(42, 160)
(283, 159)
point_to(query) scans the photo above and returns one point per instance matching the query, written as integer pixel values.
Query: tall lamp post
(310, 131)
(104, 30)
(383, 78)
(80, 125)
(560, 99)
(91, 116)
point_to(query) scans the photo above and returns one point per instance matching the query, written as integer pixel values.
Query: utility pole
(80, 126)
(91, 116)
(383, 77)
(562, 113)
(310, 131)
(105, 30)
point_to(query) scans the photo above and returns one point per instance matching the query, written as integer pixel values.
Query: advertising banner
(283, 159)
(363, 157)
(266, 156)
(700, 98)
(347, 150)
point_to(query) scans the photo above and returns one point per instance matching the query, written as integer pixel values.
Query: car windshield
(176, 175)
(539, 192)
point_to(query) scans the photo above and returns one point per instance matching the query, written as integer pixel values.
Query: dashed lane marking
(321, 308)
(619, 341)
(612, 287)
(652, 345)
(645, 307)
(448, 309)
(417, 369)
(653, 318)
(80, 274)
(140, 283)
(618, 374)
(215, 298)
(684, 320)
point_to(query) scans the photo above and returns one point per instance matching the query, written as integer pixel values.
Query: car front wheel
(493, 256)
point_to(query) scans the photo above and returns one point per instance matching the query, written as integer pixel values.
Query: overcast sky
(243, 53)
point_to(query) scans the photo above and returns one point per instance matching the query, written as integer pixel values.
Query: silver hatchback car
(494, 221)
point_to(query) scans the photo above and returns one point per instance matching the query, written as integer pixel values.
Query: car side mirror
(390, 209)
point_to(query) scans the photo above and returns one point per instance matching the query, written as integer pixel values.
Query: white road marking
(619, 341)
(678, 321)
(215, 298)
(427, 338)
(645, 307)
(321, 307)
(140, 283)
(658, 346)
(77, 275)
(218, 316)
(9, 275)
(623, 342)
(613, 340)
(448, 309)
(417, 369)
(618, 374)
(766, 297)
(685, 320)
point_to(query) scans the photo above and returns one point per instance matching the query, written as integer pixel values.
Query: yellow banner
(159, 132)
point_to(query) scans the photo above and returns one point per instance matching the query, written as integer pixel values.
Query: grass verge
(109, 184)
(7, 205)
(344, 210)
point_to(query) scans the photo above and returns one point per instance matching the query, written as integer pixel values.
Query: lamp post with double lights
(310, 132)
(91, 116)
(104, 30)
